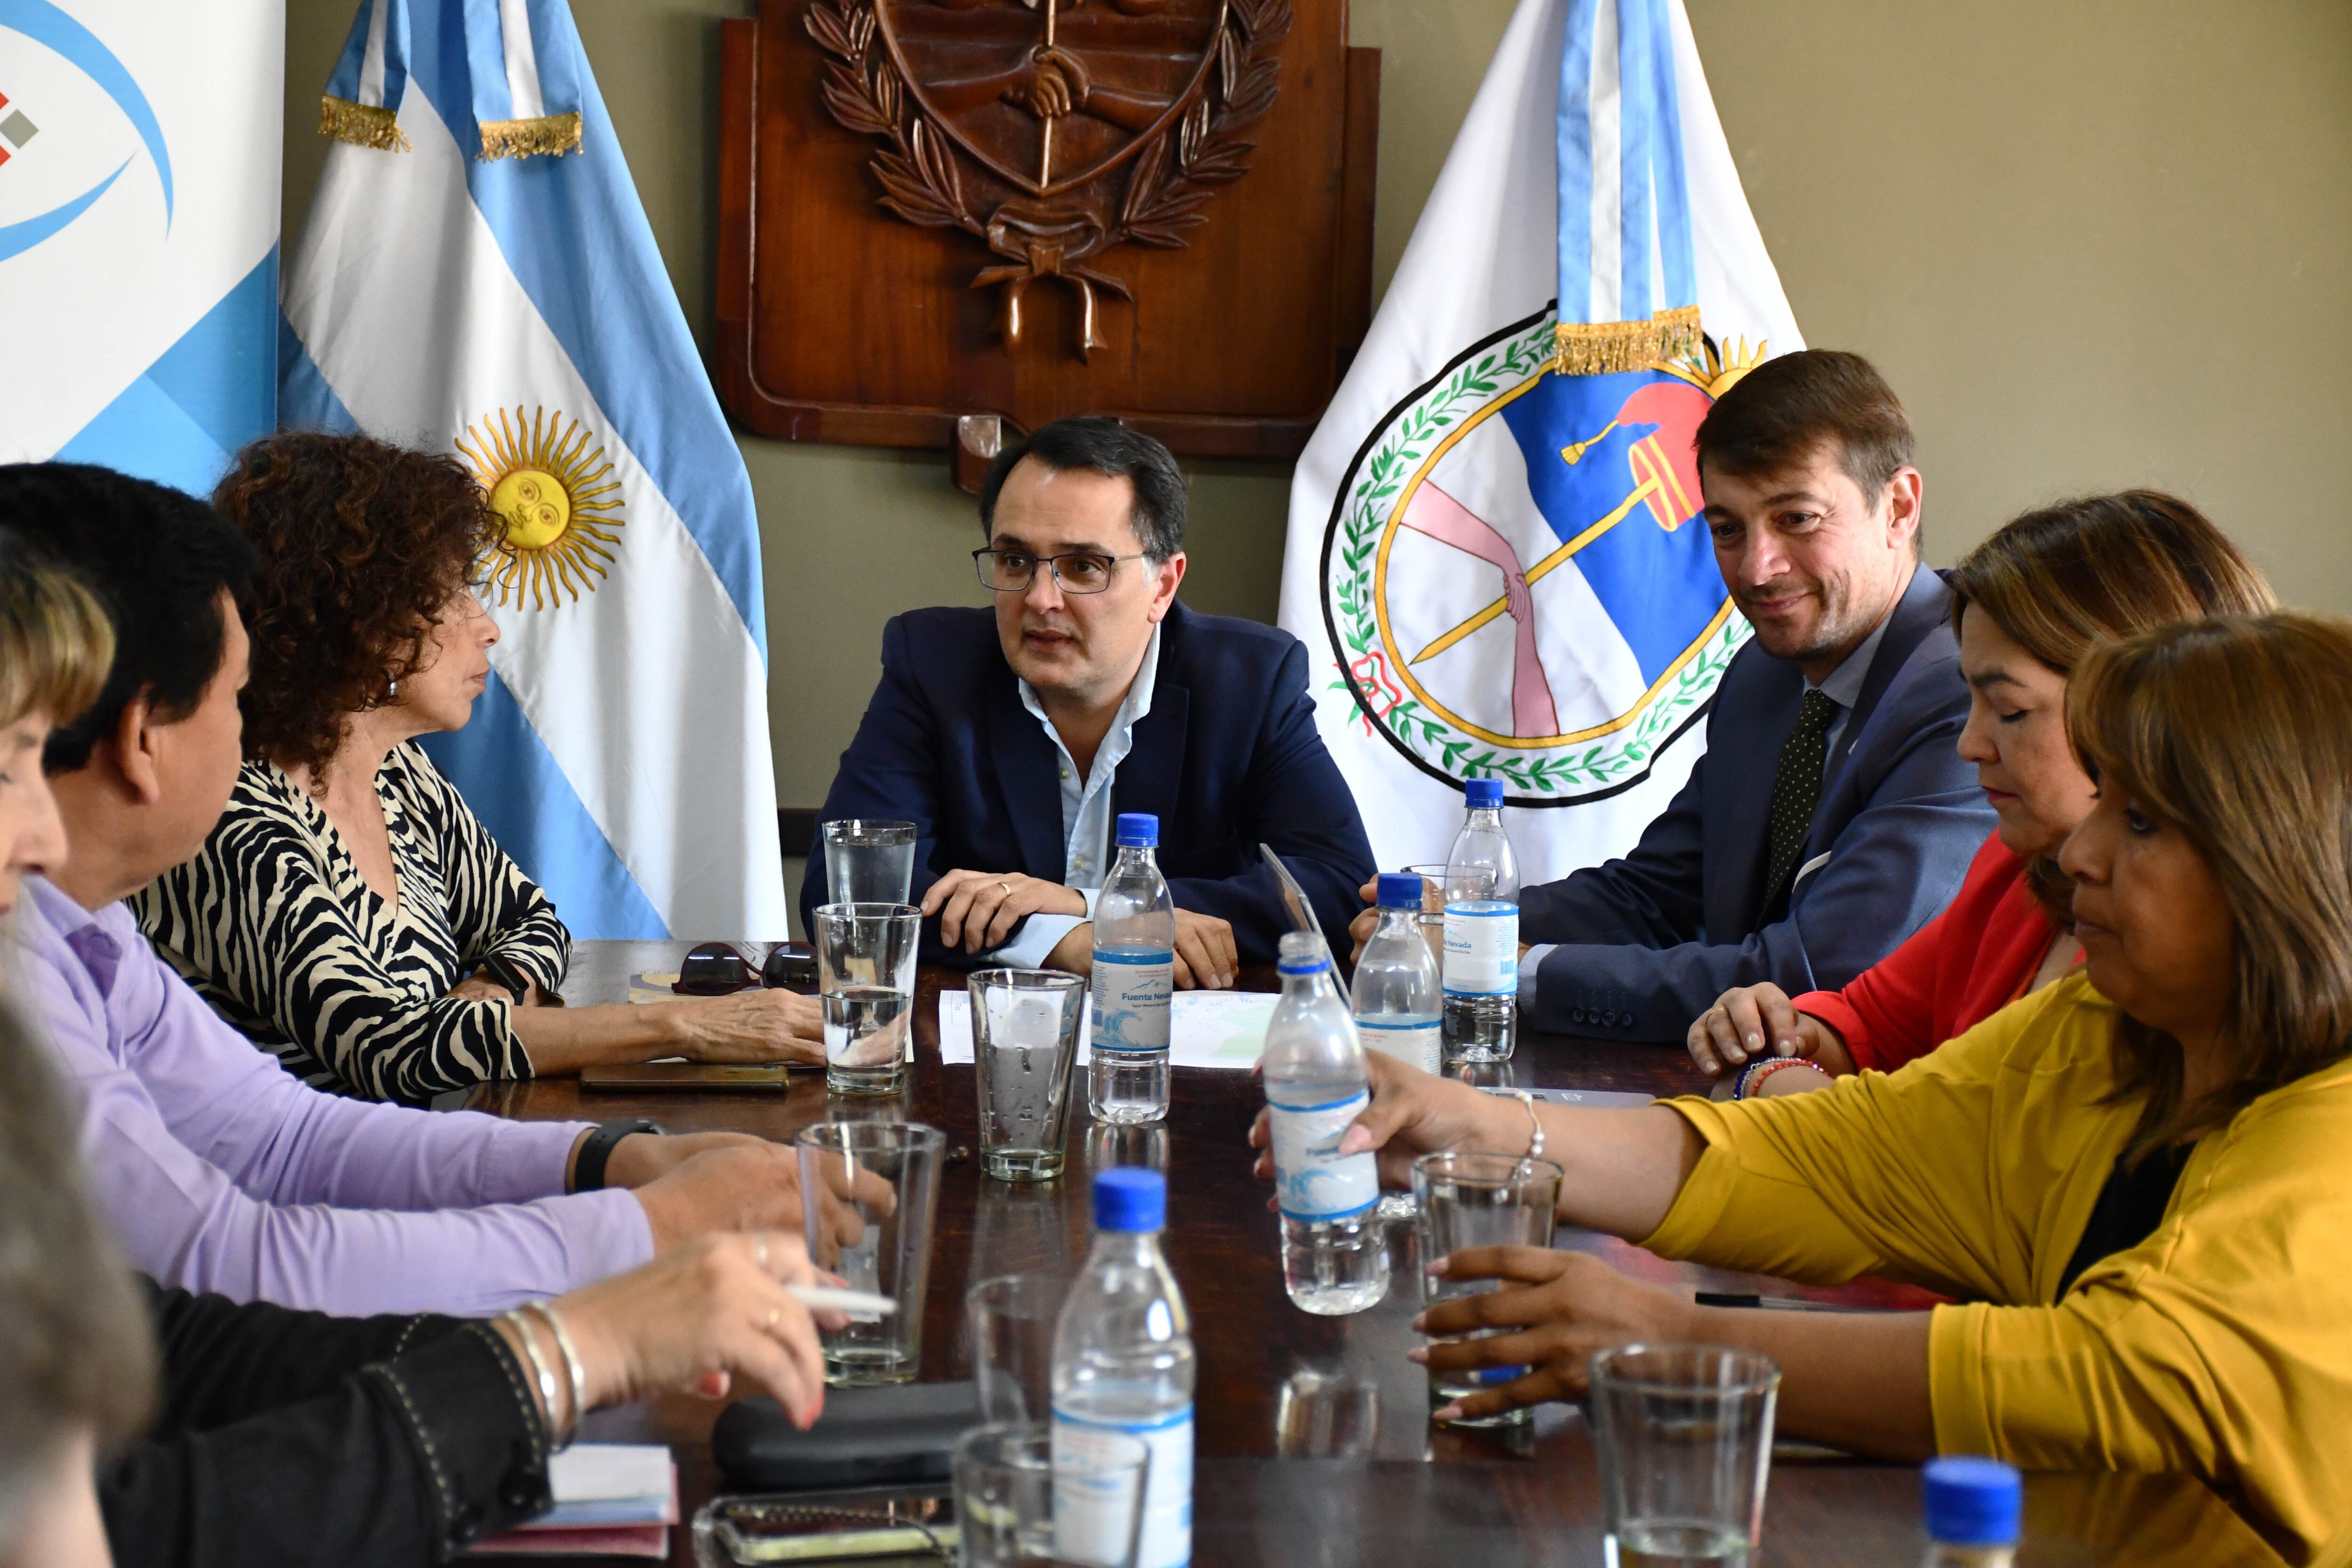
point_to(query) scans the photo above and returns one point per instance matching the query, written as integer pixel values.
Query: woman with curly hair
(349, 913)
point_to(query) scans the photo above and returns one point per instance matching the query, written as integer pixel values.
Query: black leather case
(867, 1437)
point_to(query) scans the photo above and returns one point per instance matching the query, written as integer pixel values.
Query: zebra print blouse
(273, 925)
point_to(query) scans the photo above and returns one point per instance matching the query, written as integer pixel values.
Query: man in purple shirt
(220, 1170)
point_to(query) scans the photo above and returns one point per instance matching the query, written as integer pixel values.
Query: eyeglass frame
(1053, 563)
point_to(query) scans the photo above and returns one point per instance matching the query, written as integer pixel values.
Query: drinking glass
(865, 983)
(1021, 1505)
(1012, 1320)
(1025, 1038)
(869, 862)
(1471, 1198)
(887, 1174)
(1684, 1435)
(1323, 1414)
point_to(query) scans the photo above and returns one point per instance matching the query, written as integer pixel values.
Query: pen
(856, 1303)
(1779, 1303)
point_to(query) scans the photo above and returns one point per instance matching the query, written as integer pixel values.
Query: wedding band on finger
(762, 1255)
(1007, 888)
(776, 1316)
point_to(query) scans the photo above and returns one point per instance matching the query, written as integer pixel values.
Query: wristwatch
(505, 973)
(588, 1170)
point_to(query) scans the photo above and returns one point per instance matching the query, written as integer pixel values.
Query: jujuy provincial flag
(1495, 546)
(476, 277)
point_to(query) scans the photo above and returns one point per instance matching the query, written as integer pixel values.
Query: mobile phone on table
(724, 1078)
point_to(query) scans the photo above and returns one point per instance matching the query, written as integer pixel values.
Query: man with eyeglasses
(1012, 739)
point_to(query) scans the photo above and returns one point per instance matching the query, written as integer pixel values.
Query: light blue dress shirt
(1085, 812)
(1842, 686)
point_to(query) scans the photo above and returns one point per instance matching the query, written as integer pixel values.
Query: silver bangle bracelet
(1535, 1136)
(572, 1366)
(540, 1369)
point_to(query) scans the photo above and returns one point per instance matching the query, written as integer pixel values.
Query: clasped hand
(1756, 1021)
(979, 909)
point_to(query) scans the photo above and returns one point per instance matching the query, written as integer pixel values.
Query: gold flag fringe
(1610, 348)
(554, 135)
(361, 124)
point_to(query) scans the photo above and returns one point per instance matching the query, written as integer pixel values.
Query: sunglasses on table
(721, 969)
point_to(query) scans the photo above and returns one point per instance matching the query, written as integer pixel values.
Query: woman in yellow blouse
(2138, 1182)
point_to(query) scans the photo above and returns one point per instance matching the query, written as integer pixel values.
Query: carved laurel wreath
(1167, 183)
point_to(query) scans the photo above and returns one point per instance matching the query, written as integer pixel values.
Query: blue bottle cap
(1132, 1198)
(1973, 1502)
(1399, 890)
(1137, 830)
(1483, 791)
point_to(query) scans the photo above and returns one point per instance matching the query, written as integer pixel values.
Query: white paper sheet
(1206, 1028)
(609, 1472)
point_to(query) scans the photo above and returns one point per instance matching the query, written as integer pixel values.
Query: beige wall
(2092, 244)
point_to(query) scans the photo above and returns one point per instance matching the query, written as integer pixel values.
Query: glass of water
(1685, 1435)
(1471, 1198)
(1025, 1038)
(869, 862)
(1013, 1318)
(865, 983)
(869, 1190)
(1021, 1505)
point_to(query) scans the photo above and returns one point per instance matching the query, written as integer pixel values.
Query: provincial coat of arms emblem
(1515, 572)
(1052, 130)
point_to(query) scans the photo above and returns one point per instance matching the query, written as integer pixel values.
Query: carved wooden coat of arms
(942, 218)
(1053, 129)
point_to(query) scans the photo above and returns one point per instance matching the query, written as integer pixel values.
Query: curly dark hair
(361, 543)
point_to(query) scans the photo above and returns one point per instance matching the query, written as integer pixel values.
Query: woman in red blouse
(2026, 604)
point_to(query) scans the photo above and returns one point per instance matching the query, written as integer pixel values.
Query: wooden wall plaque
(942, 218)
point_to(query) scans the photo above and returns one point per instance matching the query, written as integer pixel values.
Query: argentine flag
(476, 277)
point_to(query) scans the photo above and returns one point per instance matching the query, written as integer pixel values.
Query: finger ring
(1007, 887)
(774, 1314)
(762, 1255)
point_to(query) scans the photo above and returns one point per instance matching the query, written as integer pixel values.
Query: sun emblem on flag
(549, 481)
(1512, 577)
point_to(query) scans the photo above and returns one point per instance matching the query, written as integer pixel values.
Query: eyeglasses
(1011, 571)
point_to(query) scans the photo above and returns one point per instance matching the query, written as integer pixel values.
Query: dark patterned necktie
(1797, 786)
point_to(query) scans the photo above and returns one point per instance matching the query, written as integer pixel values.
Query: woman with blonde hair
(2135, 1184)
(77, 1368)
(2027, 605)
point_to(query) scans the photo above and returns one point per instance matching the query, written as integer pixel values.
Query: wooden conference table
(1314, 1440)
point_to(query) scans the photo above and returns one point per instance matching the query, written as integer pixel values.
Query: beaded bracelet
(571, 1366)
(1755, 1073)
(1535, 1138)
(538, 1366)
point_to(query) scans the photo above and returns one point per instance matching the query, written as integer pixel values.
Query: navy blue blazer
(1649, 942)
(1228, 757)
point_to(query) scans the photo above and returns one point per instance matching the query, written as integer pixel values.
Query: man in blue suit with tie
(1012, 737)
(1831, 816)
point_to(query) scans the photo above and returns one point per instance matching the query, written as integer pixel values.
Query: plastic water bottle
(1123, 1363)
(1398, 999)
(1334, 1253)
(1134, 972)
(1973, 1507)
(1482, 932)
